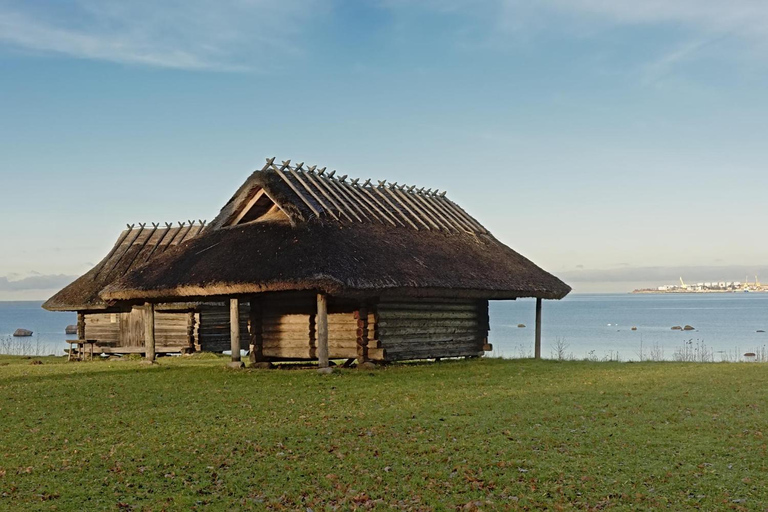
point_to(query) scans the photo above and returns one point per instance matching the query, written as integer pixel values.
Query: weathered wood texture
(214, 331)
(322, 330)
(428, 329)
(127, 328)
(234, 329)
(149, 331)
(289, 327)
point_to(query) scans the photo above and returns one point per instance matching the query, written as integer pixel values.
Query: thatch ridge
(303, 193)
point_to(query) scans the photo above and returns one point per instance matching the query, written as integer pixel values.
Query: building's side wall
(123, 331)
(213, 330)
(103, 327)
(431, 328)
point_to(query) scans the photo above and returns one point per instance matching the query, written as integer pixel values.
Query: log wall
(102, 327)
(213, 330)
(430, 328)
(289, 327)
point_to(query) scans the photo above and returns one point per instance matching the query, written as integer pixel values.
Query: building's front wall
(396, 329)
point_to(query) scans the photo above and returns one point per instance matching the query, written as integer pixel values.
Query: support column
(234, 333)
(361, 315)
(81, 326)
(149, 331)
(256, 353)
(322, 330)
(537, 344)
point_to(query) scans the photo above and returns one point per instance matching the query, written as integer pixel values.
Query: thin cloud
(35, 282)
(663, 275)
(227, 35)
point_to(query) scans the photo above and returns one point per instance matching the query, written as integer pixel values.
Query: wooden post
(234, 333)
(322, 331)
(149, 331)
(362, 333)
(537, 345)
(80, 326)
(256, 354)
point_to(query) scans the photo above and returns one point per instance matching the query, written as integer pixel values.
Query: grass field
(485, 434)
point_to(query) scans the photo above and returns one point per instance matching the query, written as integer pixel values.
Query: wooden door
(132, 328)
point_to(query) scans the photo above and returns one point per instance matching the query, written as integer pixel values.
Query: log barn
(315, 266)
(119, 328)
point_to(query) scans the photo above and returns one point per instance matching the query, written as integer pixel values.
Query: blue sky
(615, 143)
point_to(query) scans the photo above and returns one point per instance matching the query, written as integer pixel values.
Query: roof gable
(303, 193)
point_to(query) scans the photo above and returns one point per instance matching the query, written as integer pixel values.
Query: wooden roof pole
(127, 247)
(458, 223)
(143, 245)
(117, 246)
(435, 212)
(175, 235)
(319, 185)
(388, 190)
(281, 172)
(298, 177)
(337, 192)
(168, 227)
(366, 203)
(423, 214)
(472, 222)
(343, 190)
(370, 197)
(382, 195)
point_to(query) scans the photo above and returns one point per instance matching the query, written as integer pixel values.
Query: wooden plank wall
(213, 330)
(427, 329)
(102, 327)
(126, 329)
(288, 327)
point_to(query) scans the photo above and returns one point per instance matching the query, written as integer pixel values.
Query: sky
(615, 143)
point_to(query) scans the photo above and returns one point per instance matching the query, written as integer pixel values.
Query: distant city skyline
(616, 144)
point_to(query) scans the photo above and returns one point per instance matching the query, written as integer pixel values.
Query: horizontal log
(428, 338)
(289, 353)
(426, 315)
(165, 349)
(428, 329)
(409, 322)
(429, 354)
(427, 307)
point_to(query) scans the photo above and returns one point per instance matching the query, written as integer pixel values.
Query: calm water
(596, 326)
(599, 326)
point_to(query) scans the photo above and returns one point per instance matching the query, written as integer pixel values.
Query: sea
(596, 327)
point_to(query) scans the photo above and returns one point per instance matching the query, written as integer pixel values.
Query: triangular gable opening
(260, 207)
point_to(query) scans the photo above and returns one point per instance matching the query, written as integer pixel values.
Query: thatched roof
(295, 228)
(134, 247)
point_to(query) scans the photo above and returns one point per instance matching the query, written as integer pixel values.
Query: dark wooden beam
(537, 343)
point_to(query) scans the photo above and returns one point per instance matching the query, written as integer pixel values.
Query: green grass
(494, 434)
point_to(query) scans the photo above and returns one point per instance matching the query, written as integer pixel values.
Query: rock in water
(521, 326)
(677, 328)
(634, 328)
(689, 328)
(21, 333)
(71, 329)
